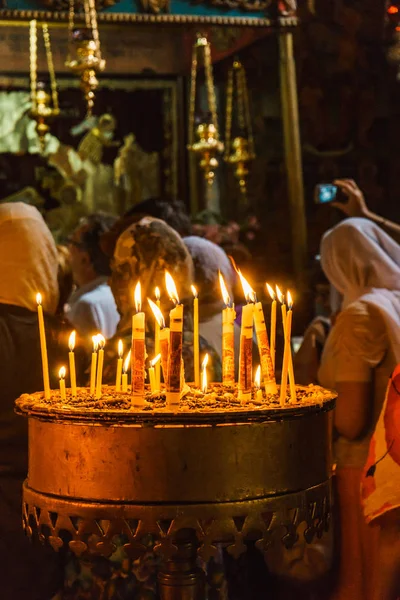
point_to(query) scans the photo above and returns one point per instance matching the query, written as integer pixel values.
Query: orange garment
(357, 543)
(380, 484)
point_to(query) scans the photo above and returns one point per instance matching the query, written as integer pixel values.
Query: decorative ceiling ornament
(249, 5)
(204, 138)
(44, 105)
(84, 57)
(64, 5)
(240, 152)
(155, 6)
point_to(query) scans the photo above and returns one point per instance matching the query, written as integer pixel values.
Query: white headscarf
(363, 263)
(28, 258)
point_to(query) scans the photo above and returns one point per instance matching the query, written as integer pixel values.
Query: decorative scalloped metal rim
(137, 18)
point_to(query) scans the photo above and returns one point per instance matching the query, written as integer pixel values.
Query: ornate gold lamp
(240, 151)
(84, 58)
(44, 105)
(204, 138)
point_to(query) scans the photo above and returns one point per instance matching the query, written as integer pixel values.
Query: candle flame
(127, 362)
(39, 298)
(204, 374)
(224, 291)
(157, 293)
(281, 297)
(257, 377)
(289, 300)
(171, 288)
(271, 291)
(62, 372)
(157, 313)
(71, 341)
(138, 297)
(248, 291)
(101, 341)
(155, 360)
(95, 340)
(120, 348)
(194, 291)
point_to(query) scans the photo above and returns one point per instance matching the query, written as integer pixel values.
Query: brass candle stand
(193, 480)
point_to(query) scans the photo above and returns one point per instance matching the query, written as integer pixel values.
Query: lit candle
(152, 374)
(272, 333)
(257, 385)
(164, 339)
(287, 353)
(204, 384)
(93, 365)
(100, 362)
(138, 351)
(157, 341)
(61, 375)
(43, 348)
(246, 343)
(71, 356)
(125, 370)
(281, 299)
(267, 368)
(228, 337)
(196, 347)
(175, 345)
(119, 366)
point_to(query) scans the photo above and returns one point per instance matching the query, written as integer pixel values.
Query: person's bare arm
(357, 207)
(353, 408)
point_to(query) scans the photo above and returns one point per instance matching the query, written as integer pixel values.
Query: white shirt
(91, 309)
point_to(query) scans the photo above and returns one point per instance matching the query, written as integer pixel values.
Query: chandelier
(239, 152)
(44, 105)
(84, 57)
(204, 138)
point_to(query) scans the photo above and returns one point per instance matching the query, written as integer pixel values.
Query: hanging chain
(86, 8)
(211, 96)
(33, 60)
(50, 65)
(246, 111)
(240, 99)
(192, 98)
(228, 113)
(71, 18)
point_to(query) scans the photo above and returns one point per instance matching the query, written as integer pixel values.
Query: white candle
(138, 351)
(119, 366)
(246, 343)
(152, 375)
(175, 345)
(71, 356)
(43, 348)
(125, 371)
(94, 365)
(257, 385)
(61, 375)
(272, 333)
(204, 383)
(196, 340)
(157, 341)
(164, 340)
(100, 362)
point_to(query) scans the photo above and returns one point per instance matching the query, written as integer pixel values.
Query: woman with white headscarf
(28, 264)
(363, 263)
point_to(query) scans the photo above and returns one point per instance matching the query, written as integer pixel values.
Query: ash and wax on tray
(219, 398)
(178, 396)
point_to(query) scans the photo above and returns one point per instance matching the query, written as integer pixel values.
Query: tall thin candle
(43, 348)
(164, 339)
(125, 370)
(71, 357)
(119, 366)
(100, 362)
(175, 345)
(228, 336)
(61, 375)
(138, 351)
(204, 383)
(94, 364)
(246, 344)
(157, 341)
(152, 375)
(272, 333)
(196, 346)
(290, 358)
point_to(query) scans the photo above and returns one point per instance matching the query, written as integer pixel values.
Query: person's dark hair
(173, 212)
(95, 226)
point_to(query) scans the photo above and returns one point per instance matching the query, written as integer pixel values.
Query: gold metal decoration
(204, 138)
(44, 106)
(239, 152)
(85, 43)
(155, 7)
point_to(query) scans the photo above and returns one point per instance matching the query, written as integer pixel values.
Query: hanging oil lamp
(44, 105)
(204, 137)
(84, 58)
(239, 152)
